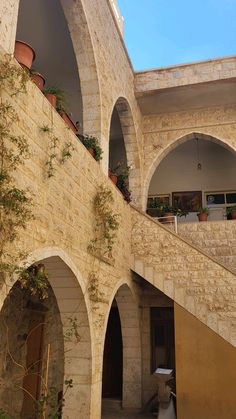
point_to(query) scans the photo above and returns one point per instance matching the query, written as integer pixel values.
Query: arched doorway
(46, 347)
(123, 149)
(123, 325)
(196, 172)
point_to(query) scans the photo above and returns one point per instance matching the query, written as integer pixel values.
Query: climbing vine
(55, 157)
(15, 203)
(106, 223)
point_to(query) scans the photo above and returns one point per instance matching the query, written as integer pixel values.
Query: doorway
(113, 358)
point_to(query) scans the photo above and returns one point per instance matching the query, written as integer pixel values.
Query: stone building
(164, 298)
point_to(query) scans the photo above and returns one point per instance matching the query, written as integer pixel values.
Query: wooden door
(32, 379)
(113, 358)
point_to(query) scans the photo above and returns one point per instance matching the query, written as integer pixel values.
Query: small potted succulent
(231, 212)
(37, 78)
(203, 214)
(92, 145)
(24, 54)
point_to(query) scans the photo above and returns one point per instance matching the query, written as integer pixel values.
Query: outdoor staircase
(186, 274)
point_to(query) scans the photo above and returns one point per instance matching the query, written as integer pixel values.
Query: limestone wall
(217, 238)
(64, 225)
(185, 274)
(163, 132)
(183, 74)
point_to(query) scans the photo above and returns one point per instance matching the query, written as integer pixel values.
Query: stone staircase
(216, 238)
(186, 274)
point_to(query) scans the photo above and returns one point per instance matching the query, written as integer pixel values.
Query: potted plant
(203, 214)
(52, 93)
(92, 145)
(37, 78)
(24, 54)
(122, 173)
(112, 176)
(231, 211)
(155, 208)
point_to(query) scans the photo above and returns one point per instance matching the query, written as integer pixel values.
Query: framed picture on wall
(189, 201)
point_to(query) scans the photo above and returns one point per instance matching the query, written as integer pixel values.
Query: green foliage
(60, 95)
(67, 152)
(50, 163)
(71, 332)
(203, 210)
(122, 173)
(106, 223)
(91, 142)
(54, 157)
(13, 76)
(49, 403)
(230, 209)
(4, 414)
(15, 203)
(35, 280)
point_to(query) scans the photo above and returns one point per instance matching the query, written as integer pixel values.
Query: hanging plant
(106, 223)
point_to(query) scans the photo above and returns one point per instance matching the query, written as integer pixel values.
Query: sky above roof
(166, 32)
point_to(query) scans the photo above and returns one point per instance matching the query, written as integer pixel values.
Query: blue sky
(165, 32)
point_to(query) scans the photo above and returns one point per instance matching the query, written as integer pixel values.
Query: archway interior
(197, 173)
(112, 381)
(117, 151)
(55, 58)
(31, 352)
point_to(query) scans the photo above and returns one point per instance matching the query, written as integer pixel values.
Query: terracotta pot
(91, 151)
(51, 98)
(24, 54)
(233, 215)
(38, 79)
(68, 121)
(154, 212)
(202, 216)
(169, 217)
(113, 177)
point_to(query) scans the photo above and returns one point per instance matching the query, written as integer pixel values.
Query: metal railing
(169, 220)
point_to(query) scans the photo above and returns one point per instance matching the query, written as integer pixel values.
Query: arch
(77, 74)
(68, 288)
(131, 337)
(170, 147)
(86, 61)
(131, 145)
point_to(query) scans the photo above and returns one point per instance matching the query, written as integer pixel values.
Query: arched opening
(123, 328)
(196, 172)
(113, 357)
(123, 150)
(49, 36)
(45, 347)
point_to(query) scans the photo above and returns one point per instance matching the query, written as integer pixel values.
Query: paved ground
(127, 415)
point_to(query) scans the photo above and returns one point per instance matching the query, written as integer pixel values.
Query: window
(220, 199)
(154, 199)
(162, 338)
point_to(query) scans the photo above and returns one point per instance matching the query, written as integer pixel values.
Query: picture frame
(190, 201)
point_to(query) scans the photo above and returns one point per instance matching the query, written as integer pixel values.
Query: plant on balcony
(55, 96)
(122, 173)
(37, 78)
(203, 214)
(92, 145)
(232, 212)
